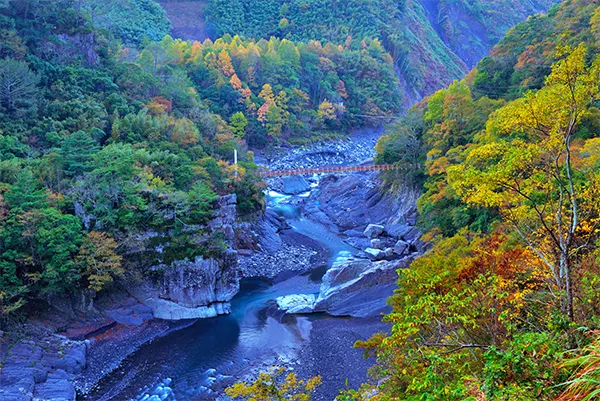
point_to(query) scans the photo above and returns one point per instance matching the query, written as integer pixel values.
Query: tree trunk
(568, 287)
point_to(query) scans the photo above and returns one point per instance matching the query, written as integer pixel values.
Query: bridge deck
(329, 170)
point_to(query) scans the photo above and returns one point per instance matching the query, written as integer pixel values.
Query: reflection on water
(198, 362)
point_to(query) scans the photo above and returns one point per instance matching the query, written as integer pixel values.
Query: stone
(358, 287)
(377, 243)
(58, 387)
(373, 230)
(294, 185)
(354, 233)
(388, 252)
(297, 304)
(413, 235)
(359, 243)
(375, 254)
(401, 247)
(397, 231)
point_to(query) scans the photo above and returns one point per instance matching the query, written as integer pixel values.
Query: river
(198, 362)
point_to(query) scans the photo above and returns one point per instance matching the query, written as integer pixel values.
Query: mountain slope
(432, 41)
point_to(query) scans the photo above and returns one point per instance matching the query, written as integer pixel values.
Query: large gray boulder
(397, 231)
(375, 254)
(373, 230)
(294, 185)
(377, 243)
(358, 287)
(297, 304)
(401, 247)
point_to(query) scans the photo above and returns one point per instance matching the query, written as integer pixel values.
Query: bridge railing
(333, 169)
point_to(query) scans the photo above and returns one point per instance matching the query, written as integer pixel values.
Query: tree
(528, 173)
(200, 204)
(267, 94)
(327, 111)
(99, 260)
(26, 194)
(238, 124)
(18, 87)
(76, 152)
(273, 387)
(224, 64)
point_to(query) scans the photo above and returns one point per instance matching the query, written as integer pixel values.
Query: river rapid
(200, 361)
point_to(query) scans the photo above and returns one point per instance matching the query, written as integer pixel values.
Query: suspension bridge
(266, 173)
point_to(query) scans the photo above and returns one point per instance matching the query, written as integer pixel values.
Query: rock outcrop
(354, 287)
(42, 370)
(294, 185)
(192, 288)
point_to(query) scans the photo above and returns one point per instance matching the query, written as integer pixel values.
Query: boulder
(373, 230)
(358, 287)
(397, 231)
(413, 235)
(354, 233)
(388, 252)
(294, 185)
(401, 247)
(297, 304)
(377, 243)
(375, 254)
(358, 243)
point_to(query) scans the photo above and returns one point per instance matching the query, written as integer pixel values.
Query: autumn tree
(526, 169)
(224, 64)
(99, 260)
(275, 387)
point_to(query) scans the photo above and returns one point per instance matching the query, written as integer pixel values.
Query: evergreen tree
(76, 152)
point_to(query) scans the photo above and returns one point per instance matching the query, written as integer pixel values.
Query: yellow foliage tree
(273, 387)
(225, 65)
(100, 261)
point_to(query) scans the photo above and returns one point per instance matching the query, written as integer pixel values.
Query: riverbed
(200, 361)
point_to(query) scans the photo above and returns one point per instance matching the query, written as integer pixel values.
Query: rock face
(193, 289)
(40, 371)
(196, 288)
(351, 203)
(294, 185)
(358, 288)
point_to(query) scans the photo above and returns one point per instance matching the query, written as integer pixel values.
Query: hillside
(505, 305)
(432, 42)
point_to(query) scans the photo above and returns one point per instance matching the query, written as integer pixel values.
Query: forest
(96, 148)
(505, 305)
